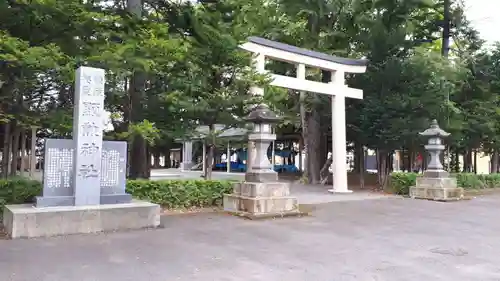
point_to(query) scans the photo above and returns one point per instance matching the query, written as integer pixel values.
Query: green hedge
(168, 193)
(180, 193)
(18, 191)
(400, 183)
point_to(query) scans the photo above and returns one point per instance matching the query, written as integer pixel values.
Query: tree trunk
(23, 158)
(323, 151)
(362, 168)
(168, 162)
(6, 150)
(138, 159)
(325, 173)
(211, 153)
(456, 160)
(359, 163)
(411, 159)
(15, 150)
(475, 161)
(304, 116)
(156, 157)
(139, 164)
(402, 154)
(390, 163)
(382, 168)
(314, 146)
(464, 169)
(357, 157)
(425, 160)
(468, 161)
(148, 166)
(494, 162)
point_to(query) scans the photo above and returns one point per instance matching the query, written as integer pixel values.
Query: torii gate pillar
(339, 153)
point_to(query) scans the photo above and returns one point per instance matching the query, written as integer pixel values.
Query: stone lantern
(261, 194)
(435, 147)
(436, 183)
(259, 168)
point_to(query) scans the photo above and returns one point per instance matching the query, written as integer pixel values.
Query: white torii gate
(264, 48)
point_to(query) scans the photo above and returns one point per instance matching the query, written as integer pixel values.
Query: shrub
(168, 193)
(473, 181)
(180, 193)
(400, 183)
(18, 191)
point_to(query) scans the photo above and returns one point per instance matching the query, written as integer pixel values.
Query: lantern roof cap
(434, 131)
(262, 114)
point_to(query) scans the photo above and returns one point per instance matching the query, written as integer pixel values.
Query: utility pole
(445, 49)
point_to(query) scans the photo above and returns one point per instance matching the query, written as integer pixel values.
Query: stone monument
(436, 183)
(85, 170)
(84, 178)
(58, 176)
(261, 194)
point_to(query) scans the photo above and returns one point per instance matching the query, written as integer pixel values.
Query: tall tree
(218, 72)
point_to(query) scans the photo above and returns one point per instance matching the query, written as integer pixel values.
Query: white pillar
(183, 156)
(187, 155)
(260, 65)
(339, 151)
(228, 157)
(301, 74)
(273, 154)
(395, 161)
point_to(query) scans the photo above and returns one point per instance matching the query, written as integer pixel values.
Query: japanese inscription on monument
(57, 173)
(85, 170)
(87, 135)
(58, 167)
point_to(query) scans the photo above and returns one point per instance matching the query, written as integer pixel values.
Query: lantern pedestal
(261, 195)
(255, 200)
(438, 189)
(436, 183)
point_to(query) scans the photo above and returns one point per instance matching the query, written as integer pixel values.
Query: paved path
(318, 194)
(391, 239)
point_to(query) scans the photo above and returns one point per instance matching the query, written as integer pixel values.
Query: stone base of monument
(257, 200)
(27, 221)
(55, 201)
(437, 188)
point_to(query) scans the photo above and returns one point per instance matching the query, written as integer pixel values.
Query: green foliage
(180, 193)
(18, 191)
(217, 70)
(168, 193)
(145, 129)
(474, 181)
(400, 183)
